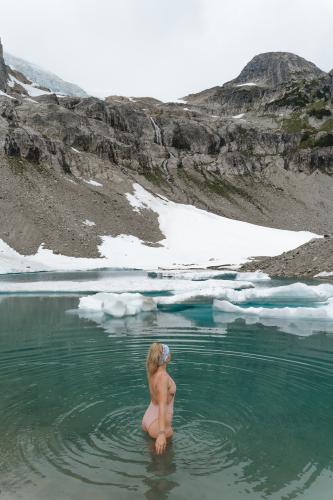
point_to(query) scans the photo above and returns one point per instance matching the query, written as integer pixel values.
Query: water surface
(253, 411)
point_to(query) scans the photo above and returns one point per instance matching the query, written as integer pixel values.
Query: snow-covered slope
(193, 238)
(42, 77)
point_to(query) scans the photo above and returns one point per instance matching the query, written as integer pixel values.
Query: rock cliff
(262, 153)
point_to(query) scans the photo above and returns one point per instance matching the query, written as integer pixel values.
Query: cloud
(163, 48)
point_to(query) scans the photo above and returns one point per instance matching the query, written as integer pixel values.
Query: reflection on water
(253, 412)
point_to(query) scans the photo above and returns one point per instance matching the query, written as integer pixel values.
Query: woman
(158, 417)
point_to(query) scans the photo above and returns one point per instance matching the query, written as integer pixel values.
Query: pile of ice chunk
(296, 293)
(117, 305)
(297, 300)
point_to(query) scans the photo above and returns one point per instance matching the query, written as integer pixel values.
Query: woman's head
(158, 354)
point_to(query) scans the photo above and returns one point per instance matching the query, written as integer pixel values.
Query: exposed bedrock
(261, 153)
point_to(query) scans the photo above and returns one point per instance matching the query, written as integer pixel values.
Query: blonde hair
(153, 358)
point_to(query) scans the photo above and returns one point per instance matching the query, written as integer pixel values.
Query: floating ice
(117, 305)
(117, 285)
(192, 297)
(302, 309)
(203, 275)
(322, 312)
(297, 293)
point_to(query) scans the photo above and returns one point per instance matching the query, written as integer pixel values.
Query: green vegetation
(327, 126)
(295, 123)
(155, 176)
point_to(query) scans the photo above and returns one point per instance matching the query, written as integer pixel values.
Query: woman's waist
(156, 405)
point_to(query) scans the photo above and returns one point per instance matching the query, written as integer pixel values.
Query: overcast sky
(161, 48)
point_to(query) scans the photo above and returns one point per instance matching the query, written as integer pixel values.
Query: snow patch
(249, 84)
(76, 151)
(93, 183)
(6, 95)
(324, 274)
(239, 116)
(194, 237)
(89, 223)
(32, 89)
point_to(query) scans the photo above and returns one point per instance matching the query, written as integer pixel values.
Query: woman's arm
(162, 395)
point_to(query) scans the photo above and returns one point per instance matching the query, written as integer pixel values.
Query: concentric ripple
(253, 407)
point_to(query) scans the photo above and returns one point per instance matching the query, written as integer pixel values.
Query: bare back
(155, 381)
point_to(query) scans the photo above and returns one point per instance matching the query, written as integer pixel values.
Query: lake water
(253, 410)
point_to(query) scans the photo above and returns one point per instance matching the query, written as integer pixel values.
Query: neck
(162, 368)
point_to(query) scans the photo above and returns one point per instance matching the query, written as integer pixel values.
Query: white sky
(161, 48)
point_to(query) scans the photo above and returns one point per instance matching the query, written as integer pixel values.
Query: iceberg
(117, 305)
(322, 312)
(296, 293)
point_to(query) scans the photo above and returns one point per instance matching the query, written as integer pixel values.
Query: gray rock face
(273, 68)
(272, 165)
(3, 71)
(264, 81)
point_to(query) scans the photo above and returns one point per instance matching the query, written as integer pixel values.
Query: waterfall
(158, 135)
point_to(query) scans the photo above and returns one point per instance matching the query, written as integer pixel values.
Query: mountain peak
(270, 69)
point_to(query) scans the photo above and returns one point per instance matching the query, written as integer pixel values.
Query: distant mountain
(273, 68)
(42, 77)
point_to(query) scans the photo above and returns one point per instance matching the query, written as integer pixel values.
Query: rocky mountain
(261, 153)
(275, 68)
(3, 71)
(42, 77)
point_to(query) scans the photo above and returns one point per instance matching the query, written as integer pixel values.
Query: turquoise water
(253, 411)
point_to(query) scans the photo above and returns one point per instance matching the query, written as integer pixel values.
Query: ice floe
(322, 312)
(117, 304)
(118, 285)
(298, 308)
(296, 293)
(203, 275)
